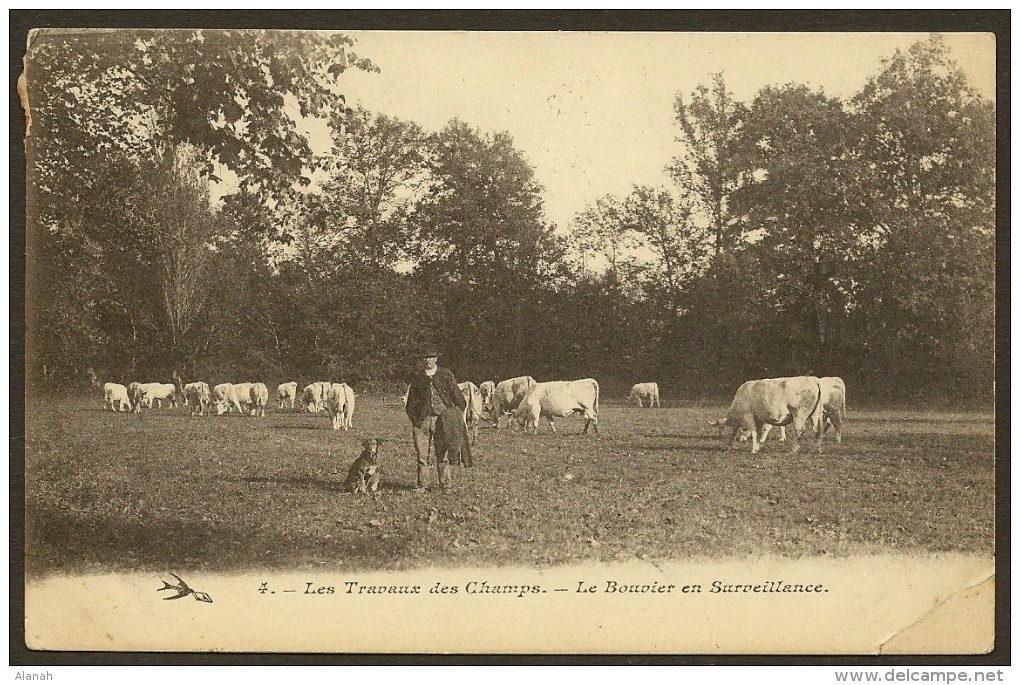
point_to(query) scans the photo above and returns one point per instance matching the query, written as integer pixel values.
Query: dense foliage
(180, 218)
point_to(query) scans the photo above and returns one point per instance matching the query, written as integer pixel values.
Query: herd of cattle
(805, 402)
(525, 400)
(245, 398)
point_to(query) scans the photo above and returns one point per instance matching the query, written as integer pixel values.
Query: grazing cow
(485, 390)
(349, 413)
(116, 394)
(560, 398)
(197, 395)
(157, 392)
(287, 394)
(221, 396)
(649, 392)
(473, 409)
(833, 410)
(336, 405)
(507, 396)
(229, 396)
(314, 396)
(833, 405)
(775, 401)
(259, 396)
(135, 396)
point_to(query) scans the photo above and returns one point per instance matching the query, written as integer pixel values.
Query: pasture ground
(121, 492)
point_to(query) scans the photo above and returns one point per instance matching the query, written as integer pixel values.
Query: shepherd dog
(364, 474)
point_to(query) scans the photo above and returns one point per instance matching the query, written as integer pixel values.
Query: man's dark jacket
(452, 438)
(419, 396)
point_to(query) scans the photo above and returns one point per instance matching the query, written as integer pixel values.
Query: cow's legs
(733, 437)
(800, 426)
(836, 418)
(798, 430)
(756, 430)
(817, 421)
(766, 429)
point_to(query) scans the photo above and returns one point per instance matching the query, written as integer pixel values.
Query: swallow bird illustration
(183, 590)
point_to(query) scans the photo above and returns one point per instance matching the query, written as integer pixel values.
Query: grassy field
(120, 492)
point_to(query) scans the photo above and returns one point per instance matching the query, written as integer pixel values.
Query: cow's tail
(817, 420)
(596, 400)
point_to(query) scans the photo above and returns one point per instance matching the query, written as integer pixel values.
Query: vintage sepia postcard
(510, 342)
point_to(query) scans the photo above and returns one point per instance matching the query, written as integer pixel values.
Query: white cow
(649, 392)
(115, 394)
(336, 405)
(555, 399)
(221, 396)
(314, 396)
(473, 408)
(135, 396)
(486, 389)
(259, 396)
(507, 396)
(287, 394)
(197, 395)
(833, 410)
(775, 401)
(157, 392)
(833, 404)
(229, 396)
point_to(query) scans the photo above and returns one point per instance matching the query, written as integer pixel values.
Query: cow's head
(719, 424)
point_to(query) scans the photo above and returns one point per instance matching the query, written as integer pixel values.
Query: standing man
(432, 391)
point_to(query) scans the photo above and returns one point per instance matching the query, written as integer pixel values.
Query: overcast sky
(592, 112)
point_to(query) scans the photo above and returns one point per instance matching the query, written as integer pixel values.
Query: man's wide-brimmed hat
(429, 352)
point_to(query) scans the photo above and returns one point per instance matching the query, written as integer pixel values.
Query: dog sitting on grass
(364, 474)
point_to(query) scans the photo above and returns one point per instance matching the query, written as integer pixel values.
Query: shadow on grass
(978, 418)
(67, 542)
(330, 486)
(712, 448)
(396, 487)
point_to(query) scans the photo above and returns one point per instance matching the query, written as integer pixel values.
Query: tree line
(180, 219)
